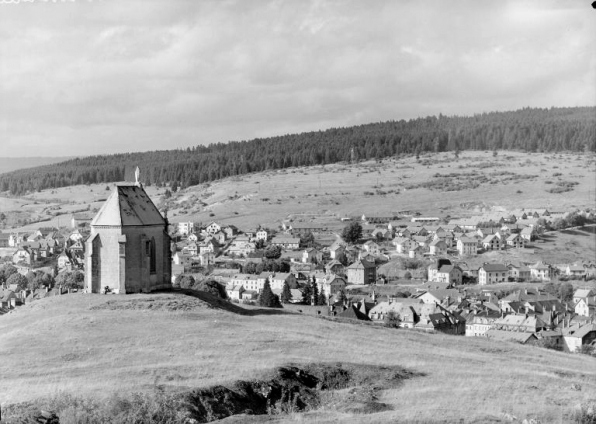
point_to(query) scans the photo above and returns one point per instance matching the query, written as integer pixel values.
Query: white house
(467, 246)
(492, 273)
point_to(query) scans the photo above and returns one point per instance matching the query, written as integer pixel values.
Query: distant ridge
(528, 129)
(13, 164)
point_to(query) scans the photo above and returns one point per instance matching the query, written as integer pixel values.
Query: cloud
(99, 77)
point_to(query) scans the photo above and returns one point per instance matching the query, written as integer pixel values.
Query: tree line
(528, 129)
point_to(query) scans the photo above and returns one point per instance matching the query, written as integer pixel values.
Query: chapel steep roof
(128, 205)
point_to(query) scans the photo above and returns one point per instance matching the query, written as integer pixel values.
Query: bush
(408, 275)
(211, 287)
(185, 281)
(392, 320)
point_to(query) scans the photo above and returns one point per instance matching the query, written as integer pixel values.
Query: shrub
(408, 275)
(211, 287)
(392, 320)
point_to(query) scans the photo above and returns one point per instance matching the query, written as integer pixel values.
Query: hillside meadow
(436, 184)
(95, 345)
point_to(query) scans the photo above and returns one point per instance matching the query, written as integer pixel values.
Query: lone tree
(267, 298)
(286, 294)
(322, 300)
(273, 252)
(18, 279)
(307, 294)
(392, 320)
(566, 292)
(314, 291)
(352, 232)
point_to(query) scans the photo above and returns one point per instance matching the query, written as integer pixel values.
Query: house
(192, 237)
(261, 234)
(480, 322)
(249, 281)
(230, 231)
(278, 279)
(422, 241)
(331, 285)
(438, 247)
(515, 241)
(334, 267)
(439, 296)
(528, 234)
(444, 272)
(23, 255)
(186, 228)
(435, 317)
(586, 307)
(519, 272)
(5, 240)
(312, 255)
(287, 243)
(241, 248)
(219, 237)
(491, 242)
(128, 250)
(467, 246)
(235, 292)
(582, 294)
(206, 258)
(540, 271)
(523, 323)
(403, 309)
(578, 335)
(511, 336)
(337, 252)
(372, 247)
(213, 228)
(403, 244)
(415, 252)
(575, 270)
(492, 273)
(180, 258)
(362, 272)
(191, 249)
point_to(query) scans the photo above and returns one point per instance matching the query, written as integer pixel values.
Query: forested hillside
(529, 129)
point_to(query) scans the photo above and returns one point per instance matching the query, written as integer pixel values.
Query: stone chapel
(128, 250)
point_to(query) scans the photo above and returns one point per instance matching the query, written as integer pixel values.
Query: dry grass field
(94, 345)
(437, 184)
(511, 180)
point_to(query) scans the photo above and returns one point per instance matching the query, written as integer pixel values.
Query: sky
(84, 77)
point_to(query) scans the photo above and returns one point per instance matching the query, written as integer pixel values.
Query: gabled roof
(539, 265)
(494, 268)
(583, 293)
(128, 206)
(580, 332)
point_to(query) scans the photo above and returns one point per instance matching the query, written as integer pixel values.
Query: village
(337, 269)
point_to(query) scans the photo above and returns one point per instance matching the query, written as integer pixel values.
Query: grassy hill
(94, 346)
(437, 184)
